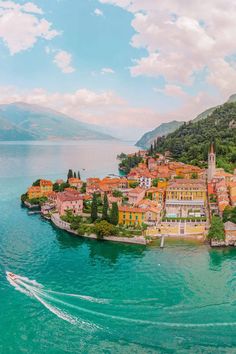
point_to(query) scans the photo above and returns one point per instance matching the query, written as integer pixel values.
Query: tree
(104, 228)
(114, 218)
(36, 183)
(69, 174)
(79, 175)
(155, 182)
(229, 214)
(56, 187)
(134, 184)
(194, 175)
(117, 194)
(105, 208)
(63, 186)
(216, 231)
(94, 208)
(74, 174)
(83, 188)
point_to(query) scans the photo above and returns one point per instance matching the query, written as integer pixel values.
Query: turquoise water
(129, 299)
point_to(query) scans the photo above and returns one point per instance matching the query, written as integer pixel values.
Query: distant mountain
(161, 130)
(168, 128)
(21, 121)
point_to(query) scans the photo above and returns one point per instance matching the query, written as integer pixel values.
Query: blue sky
(127, 66)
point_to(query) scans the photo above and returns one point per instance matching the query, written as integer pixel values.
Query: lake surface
(100, 297)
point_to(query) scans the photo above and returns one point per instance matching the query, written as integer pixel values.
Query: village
(158, 198)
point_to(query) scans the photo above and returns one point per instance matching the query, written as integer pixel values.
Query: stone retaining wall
(138, 240)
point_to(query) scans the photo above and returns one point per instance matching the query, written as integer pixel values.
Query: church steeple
(211, 163)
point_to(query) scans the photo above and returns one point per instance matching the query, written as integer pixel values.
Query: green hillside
(190, 142)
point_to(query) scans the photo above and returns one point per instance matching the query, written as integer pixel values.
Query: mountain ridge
(24, 121)
(154, 134)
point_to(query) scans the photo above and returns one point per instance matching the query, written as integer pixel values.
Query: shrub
(216, 231)
(104, 228)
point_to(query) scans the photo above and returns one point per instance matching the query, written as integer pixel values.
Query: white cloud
(21, 26)
(173, 91)
(63, 60)
(183, 38)
(98, 12)
(109, 109)
(107, 71)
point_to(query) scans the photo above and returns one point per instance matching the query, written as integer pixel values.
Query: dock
(162, 241)
(34, 212)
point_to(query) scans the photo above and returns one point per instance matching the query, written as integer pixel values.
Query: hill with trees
(166, 128)
(190, 142)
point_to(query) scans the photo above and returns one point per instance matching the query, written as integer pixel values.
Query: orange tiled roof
(131, 209)
(44, 182)
(136, 190)
(74, 180)
(185, 183)
(69, 196)
(34, 189)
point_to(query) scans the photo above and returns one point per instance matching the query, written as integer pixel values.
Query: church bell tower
(211, 163)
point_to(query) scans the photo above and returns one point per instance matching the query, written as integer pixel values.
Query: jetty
(162, 241)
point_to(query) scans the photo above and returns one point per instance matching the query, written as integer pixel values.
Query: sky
(127, 65)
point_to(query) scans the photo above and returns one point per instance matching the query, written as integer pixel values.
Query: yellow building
(186, 189)
(156, 194)
(43, 190)
(46, 187)
(186, 198)
(131, 216)
(34, 192)
(162, 184)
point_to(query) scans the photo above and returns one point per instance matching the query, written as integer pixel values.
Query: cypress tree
(94, 208)
(114, 214)
(105, 208)
(79, 174)
(151, 150)
(69, 174)
(74, 174)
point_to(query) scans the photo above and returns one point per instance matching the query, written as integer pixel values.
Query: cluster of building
(44, 188)
(171, 198)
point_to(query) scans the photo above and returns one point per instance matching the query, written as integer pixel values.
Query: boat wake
(35, 290)
(62, 304)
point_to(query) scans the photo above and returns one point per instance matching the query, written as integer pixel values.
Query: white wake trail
(36, 290)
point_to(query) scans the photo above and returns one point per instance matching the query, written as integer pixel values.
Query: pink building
(136, 195)
(112, 199)
(69, 201)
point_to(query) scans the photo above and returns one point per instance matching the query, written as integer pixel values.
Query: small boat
(11, 275)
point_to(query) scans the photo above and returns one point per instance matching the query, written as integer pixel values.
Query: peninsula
(156, 198)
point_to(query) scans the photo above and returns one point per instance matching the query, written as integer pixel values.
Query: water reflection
(98, 249)
(219, 256)
(112, 252)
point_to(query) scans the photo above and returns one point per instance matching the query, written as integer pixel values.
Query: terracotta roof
(34, 189)
(187, 183)
(131, 209)
(69, 196)
(44, 182)
(137, 190)
(74, 180)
